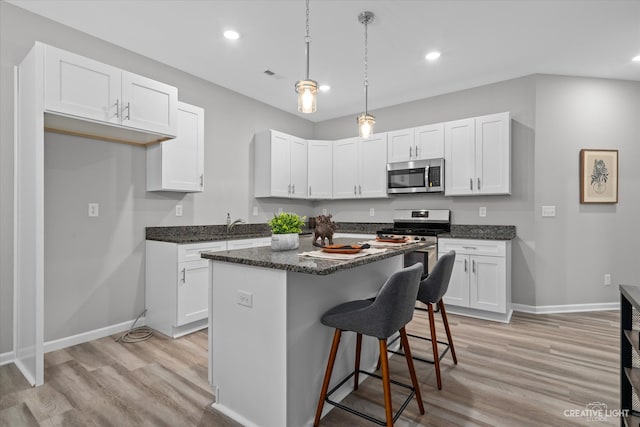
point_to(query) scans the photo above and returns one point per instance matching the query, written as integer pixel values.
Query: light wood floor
(526, 373)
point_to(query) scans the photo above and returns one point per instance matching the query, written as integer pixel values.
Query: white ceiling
(481, 42)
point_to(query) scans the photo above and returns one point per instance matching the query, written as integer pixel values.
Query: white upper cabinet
(359, 167)
(280, 165)
(420, 143)
(178, 164)
(320, 169)
(81, 88)
(478, 156)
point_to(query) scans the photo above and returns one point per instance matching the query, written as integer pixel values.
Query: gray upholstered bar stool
(431, 291)
(391, 310)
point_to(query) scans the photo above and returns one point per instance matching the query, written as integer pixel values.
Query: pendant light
(307, 89)
(366, 120)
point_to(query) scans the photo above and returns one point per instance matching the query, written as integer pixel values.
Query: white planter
(285, 242)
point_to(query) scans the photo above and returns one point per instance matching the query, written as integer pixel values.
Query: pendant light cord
(307, 39)
(366, 66)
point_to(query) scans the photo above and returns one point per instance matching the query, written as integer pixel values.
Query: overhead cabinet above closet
(89, 98)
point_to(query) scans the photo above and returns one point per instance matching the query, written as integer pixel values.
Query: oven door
(427, 256)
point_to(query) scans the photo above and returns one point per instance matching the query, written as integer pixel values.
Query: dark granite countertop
(482, 232)
(291, 261)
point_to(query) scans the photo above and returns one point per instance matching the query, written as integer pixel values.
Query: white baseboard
(567, 308)
(90, 335)
(6, 358)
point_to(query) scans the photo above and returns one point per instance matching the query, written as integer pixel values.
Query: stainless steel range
(423, 225)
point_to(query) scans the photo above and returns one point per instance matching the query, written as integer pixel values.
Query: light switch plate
(548, 211)
(482, 211)
(255, 211)
(178, 210)
(94, 209)
(372, 212)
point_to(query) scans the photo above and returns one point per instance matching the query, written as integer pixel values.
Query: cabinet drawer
(191, 251)
(473, 247)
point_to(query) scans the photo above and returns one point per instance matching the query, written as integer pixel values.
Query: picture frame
(598, 176)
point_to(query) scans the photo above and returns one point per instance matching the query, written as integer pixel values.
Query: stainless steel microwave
(419, 176)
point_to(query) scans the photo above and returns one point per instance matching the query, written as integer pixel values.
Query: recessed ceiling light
(636, 58)
(232, 35)
(324, 88)
(433, 55)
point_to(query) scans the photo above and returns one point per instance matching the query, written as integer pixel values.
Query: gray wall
(583, 242)
(94, 267)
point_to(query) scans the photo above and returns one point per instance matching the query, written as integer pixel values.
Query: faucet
(232, 224)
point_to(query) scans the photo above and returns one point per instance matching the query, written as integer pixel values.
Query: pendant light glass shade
(365, 125)
(307, 94)
(307, 89)
(366, 120)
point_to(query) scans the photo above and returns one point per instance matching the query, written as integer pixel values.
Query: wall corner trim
(566, 308)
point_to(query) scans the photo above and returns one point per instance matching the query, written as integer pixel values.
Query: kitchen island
(267, 347)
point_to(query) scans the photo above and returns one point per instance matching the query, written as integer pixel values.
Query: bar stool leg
(412, 371)
(357, 370)
(327, 375)
(434, 345)
(446, 328)
(386, 384)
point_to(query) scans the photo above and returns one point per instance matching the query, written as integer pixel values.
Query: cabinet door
(373, 166)
(81, 87)
(320, 169)
(458, 291)
(193, 291)
(298, 167)
(149, 105)
(459, 154)
(400, 146)
(429, 141)
(280, 165)
(487, 286)
(345, 168)
(178, 164)
(493, 154)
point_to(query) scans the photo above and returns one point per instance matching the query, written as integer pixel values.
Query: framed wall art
(598, 176)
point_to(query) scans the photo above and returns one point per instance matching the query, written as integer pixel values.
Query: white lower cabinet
(481, 280)
(177, 283)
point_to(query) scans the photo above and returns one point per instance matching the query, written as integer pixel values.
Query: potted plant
(285, 229)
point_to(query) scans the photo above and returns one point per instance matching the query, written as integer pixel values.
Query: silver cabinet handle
(470, 247)
(293, 189)
(184, 275)
(473, 266)
(289, 189)
(465, 265)
(360, 189)
(309, 190)
(117, 108)
(201, 180)
(471, 184)
(128, 108)
(417, 151)
(478, 183)
(354, 191)
(410, 152)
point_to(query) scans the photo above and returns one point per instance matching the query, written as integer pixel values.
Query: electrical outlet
(548, 211)
(255, 211)
(607, 279)
(245, 298)
(372, 212)
(324, 211)
(482, 211)
(94, 209)
(178, 210)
